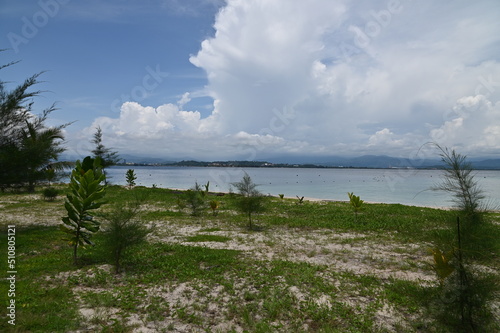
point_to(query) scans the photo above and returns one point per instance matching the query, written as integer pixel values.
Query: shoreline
(312, 199)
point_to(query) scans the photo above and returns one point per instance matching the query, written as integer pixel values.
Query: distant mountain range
(366, 161)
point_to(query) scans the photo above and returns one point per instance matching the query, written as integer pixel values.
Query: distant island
(229, 164)
(362, 162)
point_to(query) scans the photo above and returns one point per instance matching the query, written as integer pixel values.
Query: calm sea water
(409, 187)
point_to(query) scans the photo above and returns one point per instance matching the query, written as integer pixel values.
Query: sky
(262, 79)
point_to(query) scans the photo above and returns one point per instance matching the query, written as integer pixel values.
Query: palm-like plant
(41, 146)
(27, 146)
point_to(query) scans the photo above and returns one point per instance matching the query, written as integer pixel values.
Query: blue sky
(255, 79)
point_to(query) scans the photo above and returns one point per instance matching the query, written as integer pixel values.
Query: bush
(250, 200)
(50, 193)
(466, 290)
(131, 177)
(194, 198)
(87, 194)
(122, 231)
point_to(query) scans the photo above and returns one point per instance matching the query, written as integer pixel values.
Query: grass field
(310, 267)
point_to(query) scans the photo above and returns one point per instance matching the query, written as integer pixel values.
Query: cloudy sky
(257, 79)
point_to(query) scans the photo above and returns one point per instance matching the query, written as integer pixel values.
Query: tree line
(30, 150)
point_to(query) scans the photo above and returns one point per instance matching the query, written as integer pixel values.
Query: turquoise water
(405, 186)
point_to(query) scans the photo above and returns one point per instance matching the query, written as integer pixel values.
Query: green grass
(202, 287)
(207, 238)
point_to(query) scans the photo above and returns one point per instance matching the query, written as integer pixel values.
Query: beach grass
(311, 267)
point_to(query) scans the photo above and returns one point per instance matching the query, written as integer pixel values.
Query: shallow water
(405, 186)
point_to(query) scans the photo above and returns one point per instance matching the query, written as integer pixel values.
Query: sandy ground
(357, 253)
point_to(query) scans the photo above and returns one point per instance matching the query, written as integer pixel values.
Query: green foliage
(86, 194)
(27, 145)
(281, 195)
(130, 177)
(255, 292)
(194, 198)
(107, 156)
(207, 185)
(208, 238)
(214, 205)
(300, 200)
(442, 265)
(466, 291)
(50, 193)
(356, 203)
(459, 181)
(123, 230)
(250, 200)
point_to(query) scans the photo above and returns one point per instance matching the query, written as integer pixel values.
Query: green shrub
(466, 290)
(50, 193)
(130, 177)
(356, 203)
(122, 231)
(194, 198)
(86, 195)
(250, 200)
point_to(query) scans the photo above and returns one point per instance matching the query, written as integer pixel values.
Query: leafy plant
(207, 185)
(50, 193)
(466, 289)
(27, 145)
(356, 203)
(214, 205)
(130, 177)
(86, 194)
(250, 199)
(459, 181)
(194, 199)
(442, 265)
(107, 156)
(123, 230)
(281, 195)
(300, 200)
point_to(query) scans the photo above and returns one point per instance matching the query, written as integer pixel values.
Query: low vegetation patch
(207, 238)
(313, 267)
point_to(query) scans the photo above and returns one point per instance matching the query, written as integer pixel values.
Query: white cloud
(475, 128)
(359, 77)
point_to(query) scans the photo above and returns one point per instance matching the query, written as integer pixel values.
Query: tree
(107, 156)
(86, 194)
(41, 146)
(130, 177)
(466, 290)
(194, 197)
(356, 203)
(123, 231)
(250, 200)
(27, 145)
(459, 181)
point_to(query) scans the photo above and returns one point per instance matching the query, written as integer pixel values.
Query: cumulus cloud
(336, 77)
(171, 132)
(475, 127)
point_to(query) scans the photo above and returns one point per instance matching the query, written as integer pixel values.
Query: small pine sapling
(250, 200)
(356, 203)
(130, 177)
(123, 230)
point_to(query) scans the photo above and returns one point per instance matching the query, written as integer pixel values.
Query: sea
(404, 186)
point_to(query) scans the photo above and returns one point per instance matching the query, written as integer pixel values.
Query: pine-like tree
(27, 146)
(108, 157)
